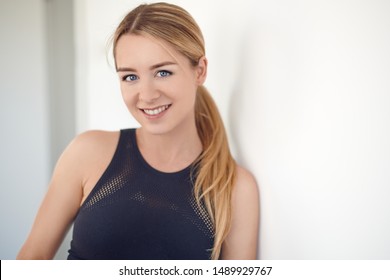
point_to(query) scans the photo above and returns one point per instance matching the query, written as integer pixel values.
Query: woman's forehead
(145, 51)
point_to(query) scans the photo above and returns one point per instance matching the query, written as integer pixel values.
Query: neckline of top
(183, 171)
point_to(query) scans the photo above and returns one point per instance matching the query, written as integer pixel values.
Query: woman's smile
(155, 112)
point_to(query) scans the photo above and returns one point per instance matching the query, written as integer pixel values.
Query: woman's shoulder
(85, 158)
(89, 146)
(94, 141)
(95, 138)
(245, 192)
(245, 181)
(241, 242)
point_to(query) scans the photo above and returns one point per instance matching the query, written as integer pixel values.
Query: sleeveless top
(138, 212)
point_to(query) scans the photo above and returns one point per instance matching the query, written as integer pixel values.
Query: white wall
(37, 117)
(24, 149)
(304, 89)
(316, 81)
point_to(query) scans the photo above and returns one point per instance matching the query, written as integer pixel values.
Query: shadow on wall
(245, 114)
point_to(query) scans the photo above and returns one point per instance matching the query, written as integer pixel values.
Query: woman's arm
(241, 242)
(65, 194)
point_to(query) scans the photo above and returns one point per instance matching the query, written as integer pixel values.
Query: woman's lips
(155, 112)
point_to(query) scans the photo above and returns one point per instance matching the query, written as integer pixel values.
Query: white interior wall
(303, 87)
(24, 149)
(37, 117)
(316, 82)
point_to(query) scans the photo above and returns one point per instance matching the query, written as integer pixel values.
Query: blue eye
(163, 73)
(130, 78)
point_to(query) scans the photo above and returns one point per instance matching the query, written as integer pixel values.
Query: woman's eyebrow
(125, 69)
(158, 65)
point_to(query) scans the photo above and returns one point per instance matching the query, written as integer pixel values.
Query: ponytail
(216, 168)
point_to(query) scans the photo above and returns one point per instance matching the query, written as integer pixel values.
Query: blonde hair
(216, 171)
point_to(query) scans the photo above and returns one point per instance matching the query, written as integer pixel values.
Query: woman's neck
(169, 152)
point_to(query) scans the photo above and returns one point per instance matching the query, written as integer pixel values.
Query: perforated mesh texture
(137, 212)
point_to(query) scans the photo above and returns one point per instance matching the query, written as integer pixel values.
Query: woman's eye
(163, 73)
(130, 78)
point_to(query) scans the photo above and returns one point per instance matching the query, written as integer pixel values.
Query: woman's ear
(201, 70)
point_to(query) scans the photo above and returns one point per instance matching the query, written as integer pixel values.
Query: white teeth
(156, 111)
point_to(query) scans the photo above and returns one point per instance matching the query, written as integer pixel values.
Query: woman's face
(158, 83)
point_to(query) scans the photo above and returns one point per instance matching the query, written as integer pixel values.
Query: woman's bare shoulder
(245, 193)
(95, 139)
(87, 151)
(245, 182)
(241, 242)
(92, 143)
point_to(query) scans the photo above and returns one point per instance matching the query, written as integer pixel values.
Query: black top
(138, 212)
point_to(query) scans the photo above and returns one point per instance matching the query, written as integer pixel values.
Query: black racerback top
(138, 212)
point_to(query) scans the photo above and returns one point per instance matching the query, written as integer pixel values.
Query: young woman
(167, 190)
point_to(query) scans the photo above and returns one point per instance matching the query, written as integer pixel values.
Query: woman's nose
(148, 92)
